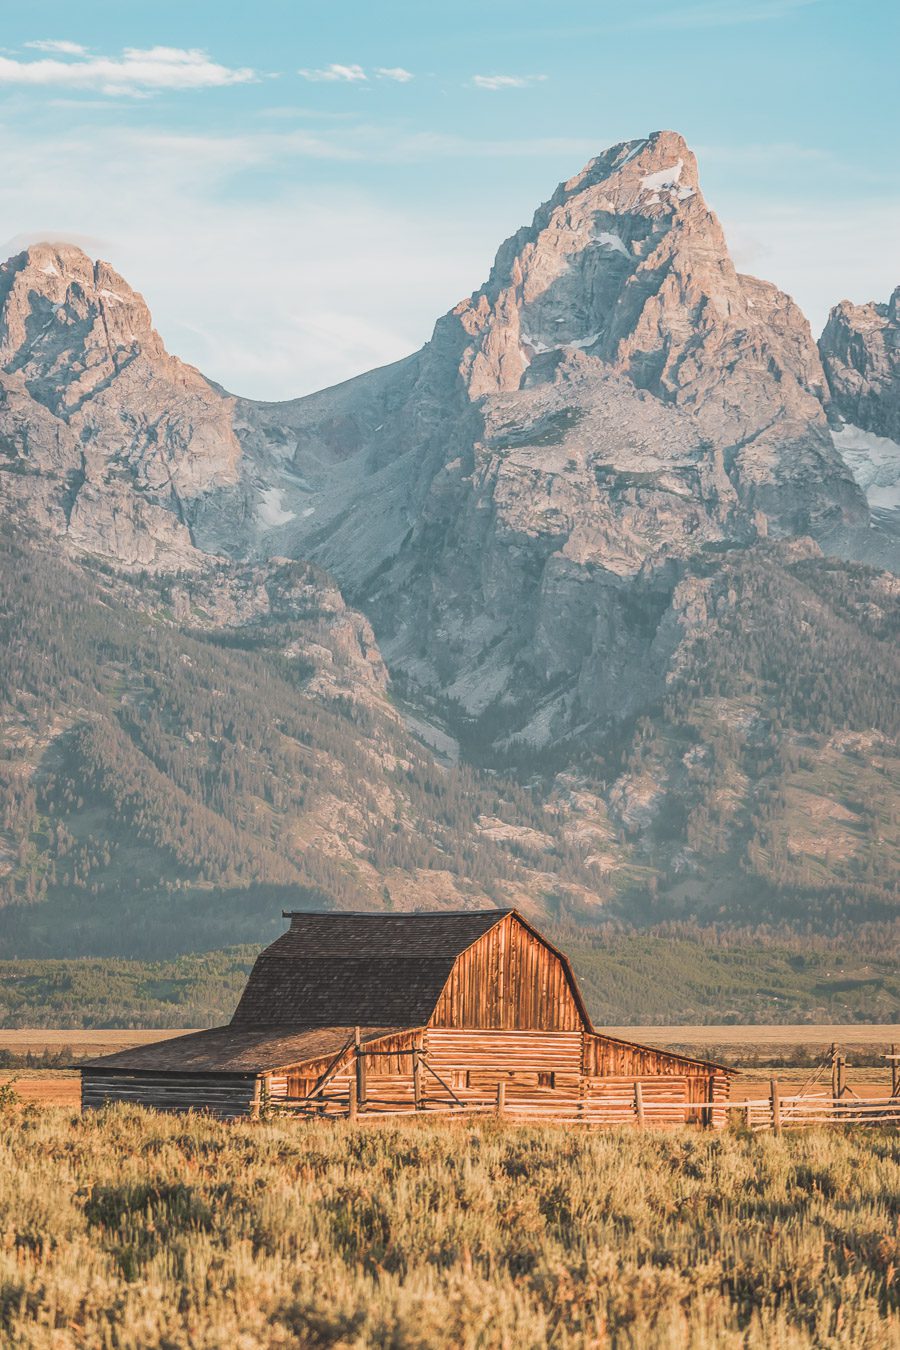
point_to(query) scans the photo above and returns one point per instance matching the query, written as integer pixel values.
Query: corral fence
(781, 1112)
(812, 1105)
(640, 1104)
(656, 1102)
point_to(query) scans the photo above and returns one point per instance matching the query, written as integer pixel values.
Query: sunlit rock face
(104, 438)
(860, 350)
(514, 504)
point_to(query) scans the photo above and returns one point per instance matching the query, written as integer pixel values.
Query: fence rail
(776, 1112)
(633, 1109)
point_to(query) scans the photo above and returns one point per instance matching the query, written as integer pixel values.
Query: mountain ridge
(545, 526)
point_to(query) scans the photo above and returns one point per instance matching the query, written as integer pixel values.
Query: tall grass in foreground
(131, 1230)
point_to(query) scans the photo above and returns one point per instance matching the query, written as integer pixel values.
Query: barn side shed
(396, 1012)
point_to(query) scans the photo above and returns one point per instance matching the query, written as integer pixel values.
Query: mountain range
(589, 605)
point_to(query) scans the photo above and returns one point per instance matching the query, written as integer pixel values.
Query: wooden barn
(352, 1013)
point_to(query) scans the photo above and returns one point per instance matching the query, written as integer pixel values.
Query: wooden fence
(639, 1107)
(778, 1111)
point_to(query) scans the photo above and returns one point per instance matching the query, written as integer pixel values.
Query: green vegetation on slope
(191, 991)
(128, 1230)
(166, 775)
(772, 760)
(627, 978)
(633, 978)
(167, 784)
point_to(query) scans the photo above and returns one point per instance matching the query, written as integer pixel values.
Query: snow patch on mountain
(613, 241)
(663, 178)
(874, 462)
(271, 510)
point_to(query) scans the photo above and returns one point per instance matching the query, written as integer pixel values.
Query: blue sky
(300, 189)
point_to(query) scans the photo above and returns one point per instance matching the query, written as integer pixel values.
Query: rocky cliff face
(513, 504)
(104, 437)
(860, 350)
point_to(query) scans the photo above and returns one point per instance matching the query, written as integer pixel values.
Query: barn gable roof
(335, 969)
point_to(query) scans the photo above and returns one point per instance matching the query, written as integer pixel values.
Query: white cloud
(137, 71)
(506, 81)
(272, 296)
(348, 74)
(394, 73)
(63, 48)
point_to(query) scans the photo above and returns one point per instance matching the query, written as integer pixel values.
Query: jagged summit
(70, 323)
(627, 263)
(615, 399)
(106, 438)
(860, 348)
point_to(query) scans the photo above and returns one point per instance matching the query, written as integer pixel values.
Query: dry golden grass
(125, 1229)
(819, 1034)
(96, 1041)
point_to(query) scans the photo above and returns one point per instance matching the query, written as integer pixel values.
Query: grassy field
(125, 1230)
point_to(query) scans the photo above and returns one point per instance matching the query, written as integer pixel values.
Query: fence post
(895, 1072)
(501, 1099)
(709, 1114)
(639, 1104)
(417, 1076)
(748, 1113)
(834, 1070)
(360, 1069)
(775, 1101)
(351, 1109)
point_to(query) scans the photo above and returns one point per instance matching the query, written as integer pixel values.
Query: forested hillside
(190, 772)
(185, 756)
(768, 780)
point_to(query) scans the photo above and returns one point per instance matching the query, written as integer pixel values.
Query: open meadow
(129, 1230)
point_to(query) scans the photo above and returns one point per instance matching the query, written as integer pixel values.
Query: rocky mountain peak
(860, 348)
(627, 264)
(68, 324)
(514, 504)
(105, 437)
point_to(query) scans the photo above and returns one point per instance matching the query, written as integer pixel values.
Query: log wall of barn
(225, 1096)
(387, 1080)
(508, 980)
(472, 1063)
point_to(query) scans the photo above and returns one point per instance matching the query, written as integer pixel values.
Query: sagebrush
(124, 1229)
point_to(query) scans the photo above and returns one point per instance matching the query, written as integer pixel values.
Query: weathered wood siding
(386, 1080)
(508, 980)
(604, 1056)
(518, 1059)
(225, 1096)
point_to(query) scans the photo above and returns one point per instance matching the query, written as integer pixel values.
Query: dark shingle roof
(341, 969)
(434, 934)
(236, 1050)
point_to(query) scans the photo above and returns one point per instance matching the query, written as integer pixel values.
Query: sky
(299, 190)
